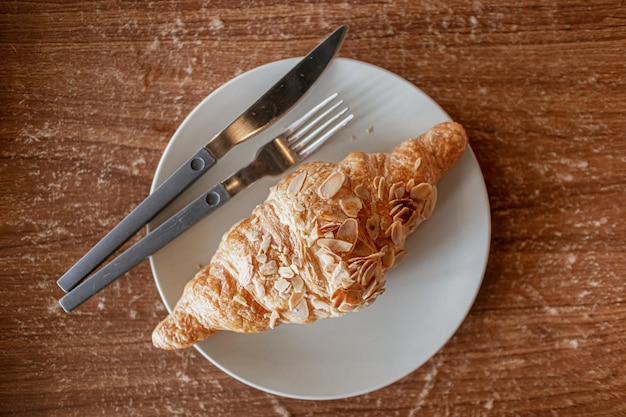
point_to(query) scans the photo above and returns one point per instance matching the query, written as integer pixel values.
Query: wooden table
(91, 93)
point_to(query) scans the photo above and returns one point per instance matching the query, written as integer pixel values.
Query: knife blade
(272, 105)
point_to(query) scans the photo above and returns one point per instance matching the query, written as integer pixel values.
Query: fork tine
(309, 147)
(303, 119)
(298, 141)
(299, 133)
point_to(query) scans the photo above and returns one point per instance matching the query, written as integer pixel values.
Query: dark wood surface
(92, 91)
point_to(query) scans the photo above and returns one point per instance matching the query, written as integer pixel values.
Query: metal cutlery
(277, 101)
(296, 143)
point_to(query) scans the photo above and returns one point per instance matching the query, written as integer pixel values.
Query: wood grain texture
(91, 92)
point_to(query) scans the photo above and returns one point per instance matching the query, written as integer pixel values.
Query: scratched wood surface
(91, 92)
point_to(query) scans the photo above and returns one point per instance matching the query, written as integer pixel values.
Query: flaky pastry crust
(320, 245)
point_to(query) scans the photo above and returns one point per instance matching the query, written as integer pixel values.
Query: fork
(297, 142)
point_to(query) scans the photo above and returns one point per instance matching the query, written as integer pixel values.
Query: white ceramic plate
(428, 294)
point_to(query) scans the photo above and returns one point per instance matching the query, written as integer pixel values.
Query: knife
(272, 105)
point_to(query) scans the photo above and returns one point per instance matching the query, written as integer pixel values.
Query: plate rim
(485, 256)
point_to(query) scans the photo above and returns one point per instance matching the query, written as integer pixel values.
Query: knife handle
(182, 178)
(152, 242)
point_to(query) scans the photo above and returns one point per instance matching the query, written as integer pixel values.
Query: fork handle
(152, 242)
(180, 180)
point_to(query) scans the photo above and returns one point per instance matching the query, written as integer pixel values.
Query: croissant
(319, 246)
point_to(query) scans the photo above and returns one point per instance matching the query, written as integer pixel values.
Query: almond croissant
(319, 246)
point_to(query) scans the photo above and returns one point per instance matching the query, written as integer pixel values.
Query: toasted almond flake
(281, 285)
(389, 256)
(397, 234)
(367, 276)
(429, 207)
(377, 182)
(337, 293)
(245, 274)
(273, 318)
(295, 268)
(347, 182)
(296, 183)
(269, 268)
(417, 164)
(351, 206)
(330, 229)
(356, 262)
(380, 187)
(340, 271)
(370, 256)
(335, 245)
(422, 191)
(346, 308)
(239, 299)
(320, 305)
(362, 192)
(393, 190)
(378, 292)
(396, 209)
(381, 283)
(348, 231)
(261, 258)
(369, 291)
(399, 215)
(338, 297)
(347, 283)
(329, 267)
(330, 226)
(364, 263)
(402, 201)
(286, 272)
(321, 314)
(331, 185)
(333, 217)
(364, 267)
(353, 297)
(400, 256)
(298, 206)
(334, 281)
(265, 244)
(355, 275)
(295, 299)
(410, 184)
(327, 257)
(301, 311)
(297, 283)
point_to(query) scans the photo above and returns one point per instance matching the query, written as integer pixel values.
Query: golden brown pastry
(320, 245)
